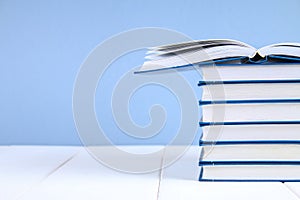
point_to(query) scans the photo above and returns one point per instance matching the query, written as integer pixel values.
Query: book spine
(254, 101)
(248, 142)
(203, 83)
(202, 124)
(262, 162)
(248, 180)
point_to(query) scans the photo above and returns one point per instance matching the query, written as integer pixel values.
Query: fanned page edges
(219, 51)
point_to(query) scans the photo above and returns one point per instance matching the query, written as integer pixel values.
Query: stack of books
(250, 107)
(250, 123)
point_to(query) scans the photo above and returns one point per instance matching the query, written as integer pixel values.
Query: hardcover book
(217, 51)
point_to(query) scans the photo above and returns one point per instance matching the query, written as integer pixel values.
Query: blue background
(43, 44)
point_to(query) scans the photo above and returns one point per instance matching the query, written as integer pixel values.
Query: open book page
(217, 51)
(187, 54)
(281, 49)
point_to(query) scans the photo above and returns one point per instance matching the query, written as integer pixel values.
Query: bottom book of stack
(252, 161)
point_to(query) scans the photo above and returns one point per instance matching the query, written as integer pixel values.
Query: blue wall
(43, 43)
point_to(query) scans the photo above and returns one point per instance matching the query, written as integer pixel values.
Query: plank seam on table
(292, 190)
(160, 174)
(49, 174)
(59, 166)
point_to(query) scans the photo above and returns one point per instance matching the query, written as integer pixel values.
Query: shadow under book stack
(250, 123)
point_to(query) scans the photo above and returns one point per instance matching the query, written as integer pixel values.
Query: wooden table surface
(66, 172)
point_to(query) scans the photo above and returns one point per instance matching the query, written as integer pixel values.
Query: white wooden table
(60, 173)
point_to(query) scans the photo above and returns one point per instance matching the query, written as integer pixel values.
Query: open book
(217, 51)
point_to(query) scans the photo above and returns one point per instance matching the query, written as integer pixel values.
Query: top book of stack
(225, 52)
